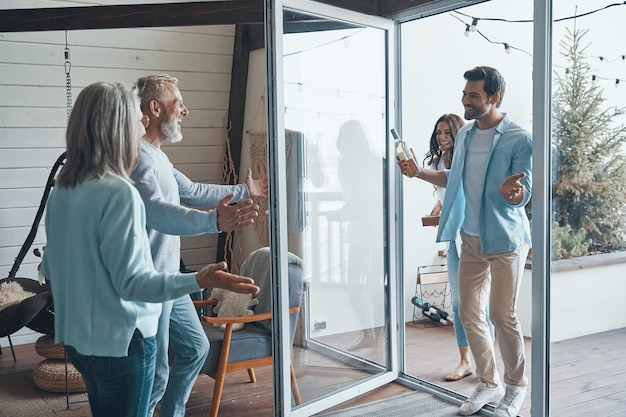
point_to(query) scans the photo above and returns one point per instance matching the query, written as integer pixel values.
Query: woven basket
(49, 375)
(45, 346)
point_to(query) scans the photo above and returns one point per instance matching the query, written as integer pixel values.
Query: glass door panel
(435, 54)
(335, 122)
(588, 228)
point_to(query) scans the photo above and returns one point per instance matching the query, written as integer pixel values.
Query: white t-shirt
(474, 177)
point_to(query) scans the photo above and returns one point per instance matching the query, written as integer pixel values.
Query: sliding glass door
(332, 81)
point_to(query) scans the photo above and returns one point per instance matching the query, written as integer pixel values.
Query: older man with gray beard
(163, 188)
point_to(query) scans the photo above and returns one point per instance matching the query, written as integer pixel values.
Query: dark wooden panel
(175, 14)
(236, 111)
(132, 16)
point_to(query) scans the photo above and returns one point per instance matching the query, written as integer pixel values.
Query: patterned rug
(20, 397)
(414, 404)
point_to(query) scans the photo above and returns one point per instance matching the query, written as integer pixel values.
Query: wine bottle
(404, 154)
(429, 311)
(443, 314)
(434, 317)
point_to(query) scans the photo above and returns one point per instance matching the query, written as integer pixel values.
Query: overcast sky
(438, 53)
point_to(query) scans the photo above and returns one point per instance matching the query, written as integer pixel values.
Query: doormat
(414, 404)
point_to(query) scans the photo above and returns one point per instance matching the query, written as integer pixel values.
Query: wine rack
(432, 287)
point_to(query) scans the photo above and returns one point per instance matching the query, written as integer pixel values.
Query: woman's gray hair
(102, 134)
(152, 87)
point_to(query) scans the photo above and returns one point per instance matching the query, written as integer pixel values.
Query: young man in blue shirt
(487, 188)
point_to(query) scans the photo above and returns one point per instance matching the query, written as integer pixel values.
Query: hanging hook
(68, 78)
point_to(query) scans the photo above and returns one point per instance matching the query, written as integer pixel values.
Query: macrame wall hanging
(257, 136)
(228, 172)
(257, 139)
(295, 174)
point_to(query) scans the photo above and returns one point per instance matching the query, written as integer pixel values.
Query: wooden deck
(588, 376)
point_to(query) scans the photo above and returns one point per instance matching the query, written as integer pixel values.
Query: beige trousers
(500, 288)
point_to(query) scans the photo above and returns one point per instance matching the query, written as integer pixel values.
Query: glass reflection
(335, 112)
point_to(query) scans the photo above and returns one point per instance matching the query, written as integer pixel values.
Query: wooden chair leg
(294, 385)
(220, 375)
(252, 375)
(217, 394)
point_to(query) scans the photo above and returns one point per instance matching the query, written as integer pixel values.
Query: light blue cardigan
(98, 261)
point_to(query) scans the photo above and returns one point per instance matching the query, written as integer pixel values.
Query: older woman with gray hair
(106, 291)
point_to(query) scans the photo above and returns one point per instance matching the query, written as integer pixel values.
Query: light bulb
(467, 31)
(507, 48)
(474, 24)
(617, 83)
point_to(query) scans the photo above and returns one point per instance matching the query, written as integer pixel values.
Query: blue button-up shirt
(502, 225)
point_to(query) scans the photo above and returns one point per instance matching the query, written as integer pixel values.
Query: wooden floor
(588, 376)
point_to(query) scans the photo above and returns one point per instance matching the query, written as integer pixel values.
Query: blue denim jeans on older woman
(118, 386)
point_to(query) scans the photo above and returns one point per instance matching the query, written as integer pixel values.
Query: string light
(343, 39)
(605, 59)
(319, 114)
(473, 25)
(507, 46)
(594, 78)
(499, 19)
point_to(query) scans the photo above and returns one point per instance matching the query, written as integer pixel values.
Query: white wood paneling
(33, 137)
(27, 157)
(20, 197)
(24, 177)
(33, 111)
(16, 217)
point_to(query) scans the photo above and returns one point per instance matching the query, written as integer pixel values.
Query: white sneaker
(481, 396)
(512, 401)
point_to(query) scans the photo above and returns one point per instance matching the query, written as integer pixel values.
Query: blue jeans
(453, 278)
(118, 386)
(180, 330)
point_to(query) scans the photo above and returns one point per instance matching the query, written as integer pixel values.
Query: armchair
(250, 347)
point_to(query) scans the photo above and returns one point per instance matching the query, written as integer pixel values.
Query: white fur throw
(12, 293)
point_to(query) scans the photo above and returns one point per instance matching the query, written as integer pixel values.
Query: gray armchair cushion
(255, 339)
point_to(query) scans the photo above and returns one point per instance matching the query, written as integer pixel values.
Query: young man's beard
(171, 132)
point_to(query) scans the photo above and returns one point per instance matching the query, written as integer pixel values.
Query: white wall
(33, 112)
(587, 301)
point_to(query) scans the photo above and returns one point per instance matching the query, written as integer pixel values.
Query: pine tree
(589, 183)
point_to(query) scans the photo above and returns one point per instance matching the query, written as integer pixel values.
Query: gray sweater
(163, 188)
